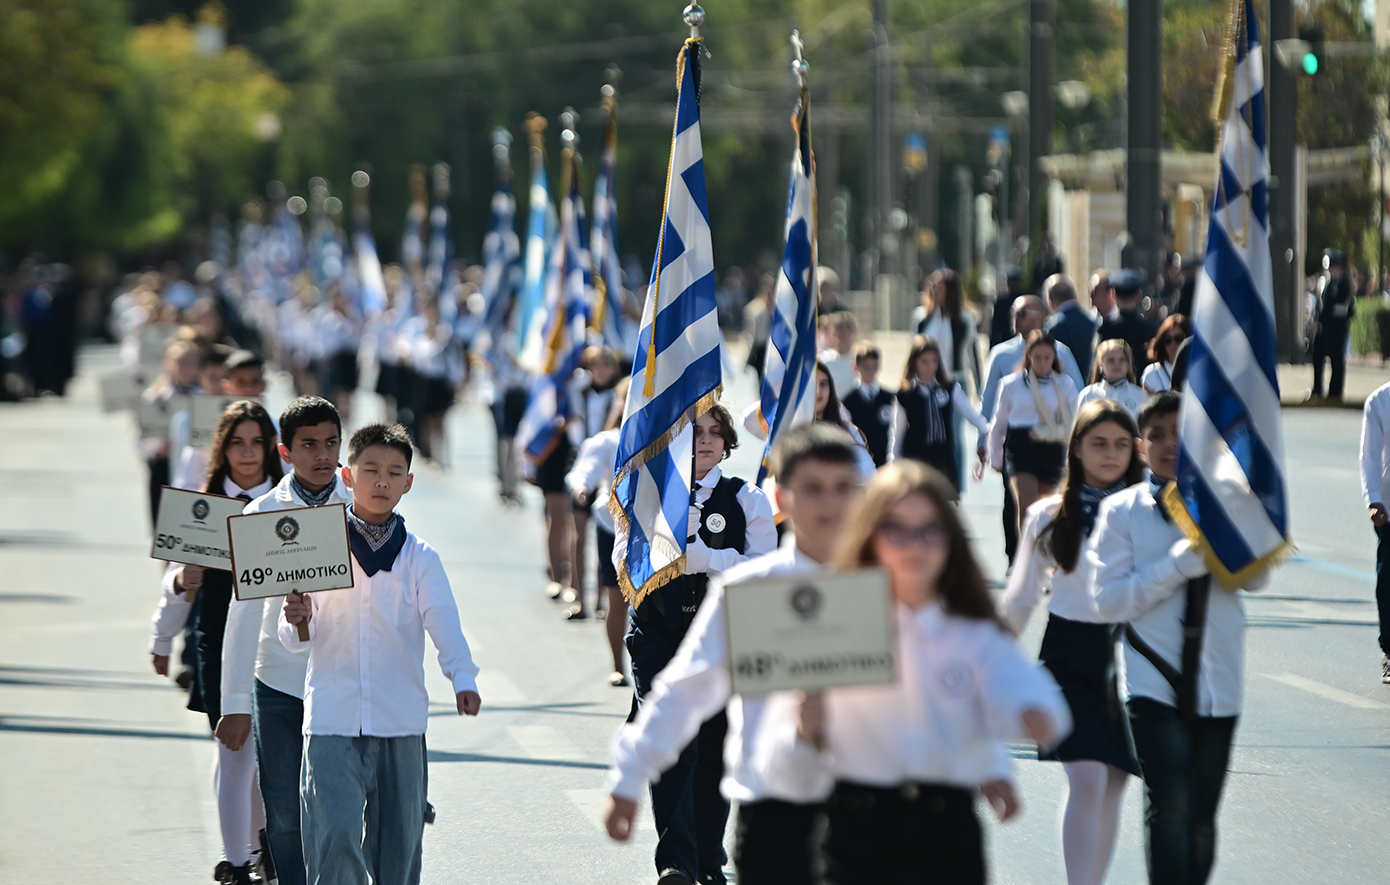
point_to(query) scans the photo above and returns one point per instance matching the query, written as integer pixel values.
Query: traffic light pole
(1283, 107)
(1144, 135)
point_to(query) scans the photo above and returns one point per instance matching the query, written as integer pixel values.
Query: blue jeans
(362, 801)
(688, 808)
(1184, 769)
(277, 720)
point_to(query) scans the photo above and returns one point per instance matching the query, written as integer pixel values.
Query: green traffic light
(1310, 64)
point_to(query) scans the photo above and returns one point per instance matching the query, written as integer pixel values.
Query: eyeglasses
(931, 534)
(1174, 339)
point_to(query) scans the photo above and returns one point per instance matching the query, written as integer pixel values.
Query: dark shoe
(674, 877)
(183, 678)
(576, 614)
(226, 874)
(1385, 669)
(617, 679)
(263, 862)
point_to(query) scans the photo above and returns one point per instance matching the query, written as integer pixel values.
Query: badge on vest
(715, 522)
(942, 397)
(885, 414)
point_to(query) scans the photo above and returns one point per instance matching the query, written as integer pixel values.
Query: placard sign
(120, 391)
(301, 550)
(811, 632)
(207, 411)
(154, 415)
(192, 528)
(154, 338)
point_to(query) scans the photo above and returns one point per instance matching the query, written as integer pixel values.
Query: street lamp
(1379, 148)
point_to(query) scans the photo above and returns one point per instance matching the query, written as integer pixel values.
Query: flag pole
(694, 16)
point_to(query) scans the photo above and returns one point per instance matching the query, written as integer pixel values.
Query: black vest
(942, 455)
(873, 417)
(214, 601)
(674, 604)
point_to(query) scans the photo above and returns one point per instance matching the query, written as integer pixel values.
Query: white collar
(711, 479)
(232, 490)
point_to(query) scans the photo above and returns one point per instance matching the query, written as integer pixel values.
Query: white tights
(1091, 819)
(240, 812)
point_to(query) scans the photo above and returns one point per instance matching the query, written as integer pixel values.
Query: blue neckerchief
(313, 499)
(1090, 504)
(1157, 485)
(375, 547)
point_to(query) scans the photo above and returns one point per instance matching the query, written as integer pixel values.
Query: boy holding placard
(366, 707)
(818, 480)
(243, 378)
(262, 680)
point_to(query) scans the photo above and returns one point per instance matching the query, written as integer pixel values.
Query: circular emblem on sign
(942, 397)
(287, 529)
(806, 601)
(715, 522)
(885, 414)
(200, 510)
(955, 678)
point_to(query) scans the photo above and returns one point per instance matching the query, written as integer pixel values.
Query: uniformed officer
(1128, 324)
(1331, 323)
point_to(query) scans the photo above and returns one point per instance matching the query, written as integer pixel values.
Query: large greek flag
(501, 254)
(608, 320)
(1230, 498)
(371, 280)
(788, 393)
(540, 231)
(564, 318)
(676, 370)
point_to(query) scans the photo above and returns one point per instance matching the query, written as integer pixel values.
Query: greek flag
(436, 270)
(608, 319)
(540, 230)
(371, 280)
(501, 254)
(788, 393)
(566, 317)
(1230, 498)
(676, 371)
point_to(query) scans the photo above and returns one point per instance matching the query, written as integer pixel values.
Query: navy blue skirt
(1081, 657)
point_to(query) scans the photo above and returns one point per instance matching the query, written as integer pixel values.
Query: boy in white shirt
(262, 680)
(362, 793)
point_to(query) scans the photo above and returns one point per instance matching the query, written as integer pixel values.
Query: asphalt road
(105, 778)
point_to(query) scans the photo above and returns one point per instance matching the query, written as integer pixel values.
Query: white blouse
(1126, 393)
(1016, 407)
(1158, 377)
(1035, 571)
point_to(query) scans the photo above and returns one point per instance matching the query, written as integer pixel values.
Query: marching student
(362, 793)
(1183, 656)
(212, 377)
(1375, 492)
(924, 413)
(244, 376)
(262, 680)
(592, 396)
(829, 411)
(1163, 352)
(243, 465)
(730, 522)
(907, 759)
(1079, 647)
(428, 343)
(590, 481)
(179, 378)
(1112, 377)
(504, 388)
(1028, 433)
(838, 331)
(870, 407)
(818, 482)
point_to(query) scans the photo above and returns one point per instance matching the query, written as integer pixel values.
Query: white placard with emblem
(192, 528)
(303, 550)
(810, 632)
(154, 415)
(207, 411)
(120, 391)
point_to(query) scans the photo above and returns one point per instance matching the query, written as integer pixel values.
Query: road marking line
(1338, 568)
(1322, 690)
(544, 742)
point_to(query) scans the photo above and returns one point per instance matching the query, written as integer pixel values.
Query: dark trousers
(1383, 584)
(277, 722)
(1330, 347)
(774, 843)
(1184, 768)
(159, 477)
(689, 810)
(1010, 519)
(912, 835)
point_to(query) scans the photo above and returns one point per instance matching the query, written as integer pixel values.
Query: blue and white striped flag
(676, 371)
(369, 275)
(788, 393)
(566, 318)
(608, 319)
(1230, 498)
(501, 257)
(540, 232)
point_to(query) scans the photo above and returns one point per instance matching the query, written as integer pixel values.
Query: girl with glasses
(1079, 647)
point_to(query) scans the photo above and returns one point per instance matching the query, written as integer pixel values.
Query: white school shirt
(1158, 377)
(366, 648)
(751, 419)
(1016, 408)
(1004, 360)
(962, 688)
(251, 646)
(1126, 393)
(897, 430)
(1375, 447)
(171, 615)
(695, 685)
(760, 535)
(1139, 565)
(841, 369)
(593, 471)
(1035, 571)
